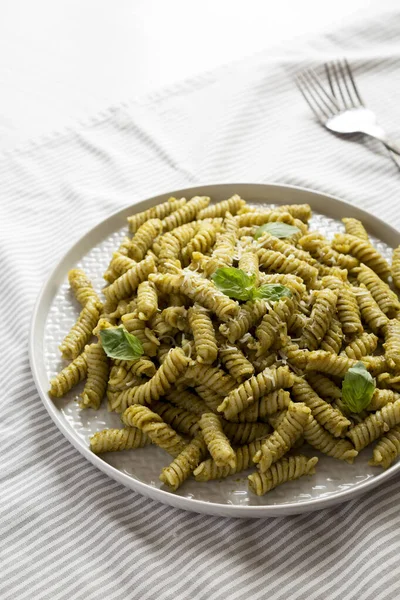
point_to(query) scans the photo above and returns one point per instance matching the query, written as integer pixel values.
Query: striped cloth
(66, 530)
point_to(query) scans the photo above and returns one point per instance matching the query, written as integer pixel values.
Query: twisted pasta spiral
(320, 439)
(208, 470)
(286, 469)
(119, 264)
(114, 440)
(204, 335)
(283, 438)
(180, 419)
(147, 300)
(82, 287)
(320, 319)
(126, 284)
(185, 463)
(375, 425)
(248, 262)
(363, 251)
(186, 213)
(324, 413)
(203, 241)
(216, 440)
(333, 339)
(392, 343)
(320, 248)
(370, 311)
(396, 267)
(387, 449)
(205, 293)
(245, 433)
(97, 377)
(232, 205)
(69, 377)
(385, 298)
(361, 346)
(144, 237)
(355, 227)
(273, 321)
(249, 314)
(382, 397)
(235, 361)
(323, 386)
(152, 424)
(277, 262)
(254, 388)
(81, 332)
(156, 212)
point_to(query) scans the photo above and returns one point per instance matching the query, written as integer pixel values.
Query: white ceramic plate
(56, 310)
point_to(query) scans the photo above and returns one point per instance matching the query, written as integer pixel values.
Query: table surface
(63, 61)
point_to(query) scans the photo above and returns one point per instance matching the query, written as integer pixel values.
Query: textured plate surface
(57, 310)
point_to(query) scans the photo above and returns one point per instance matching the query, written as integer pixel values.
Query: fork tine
(350, 74)
(336, 79)
(343, 73)
(315, 84)
(308, 97)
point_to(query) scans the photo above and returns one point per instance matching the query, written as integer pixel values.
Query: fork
(341, 111)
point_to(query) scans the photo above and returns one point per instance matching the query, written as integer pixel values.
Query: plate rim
(162, 495)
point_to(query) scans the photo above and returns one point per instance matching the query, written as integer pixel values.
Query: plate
(56, 310)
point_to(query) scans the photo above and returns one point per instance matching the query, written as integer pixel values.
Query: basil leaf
(357, 388)
(272, 291)
(276, 228)
(234, 283)
(118, 343)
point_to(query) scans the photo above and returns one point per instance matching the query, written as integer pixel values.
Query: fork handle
(379, 134)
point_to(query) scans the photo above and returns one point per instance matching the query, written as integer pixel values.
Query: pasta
(355, 227)
(217, 442)
(321, 316)
(387, 449)
(396, 267)
(81, 332)
(229, 371)
(152, 424)
(185, 463)
(208, 469)
(97, 376)
(285, 435)
(69, 377)
(203, 334)
(115, 440)
(286, 469)
(363, 251)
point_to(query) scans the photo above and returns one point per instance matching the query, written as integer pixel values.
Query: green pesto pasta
(69, 377)
(396, 267)
(385, 298)
(180, 419)
(317, 437)
(245, 433)
(234, 361)
(156, 212)
(254, 388)
(203, 333)
(320, 319)
(248, 262)
(387, 449)
(284, 436)
(375, 425)
(275, 262)
(363, 251)
(361, 346)
(82, 287)
(152, 424)
(202, 241)
(97, 377)
(115, 440)
(186, 213)
(143, 238)
(208, 469)
(120, 264)
(355, 227)
(217, 443)
(391, 332)
(333, 338)
(147, 300)
(185, 463)
(319, 247)
(286, 469)
(232, 205)
(322, 411)
(167, 374)
(249, 315)
(126, 284)
(370, 311)
(80, 333)
(226, 369)
(323, 386)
